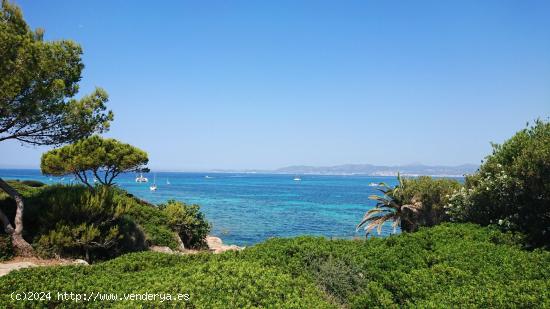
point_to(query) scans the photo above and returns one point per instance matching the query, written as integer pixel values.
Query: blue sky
(265, 84)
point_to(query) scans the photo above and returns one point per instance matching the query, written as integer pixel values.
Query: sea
(247, 208)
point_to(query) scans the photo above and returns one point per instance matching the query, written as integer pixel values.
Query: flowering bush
(512, 188)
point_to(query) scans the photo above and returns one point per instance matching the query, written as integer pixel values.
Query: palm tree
(392, 206)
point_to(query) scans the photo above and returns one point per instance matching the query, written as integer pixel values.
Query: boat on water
(297, 178)
(208, 177)
(167, 181)
(141, 178)
(153, 187)
(374, 184)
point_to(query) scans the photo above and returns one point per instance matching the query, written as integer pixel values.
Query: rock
(6, 268)
(161, 249)
(80, 262)
(215, 244)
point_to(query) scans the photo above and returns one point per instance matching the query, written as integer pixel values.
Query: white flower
(500, 222)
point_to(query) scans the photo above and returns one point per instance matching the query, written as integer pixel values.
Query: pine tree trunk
(20, 245)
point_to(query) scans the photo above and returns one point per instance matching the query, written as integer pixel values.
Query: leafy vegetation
(512, 187)
(105, 159)
(188, 222)
(154, 224)
(79, 222)
(449, 265)
(412, 203)
(73, 221)
(6, 248)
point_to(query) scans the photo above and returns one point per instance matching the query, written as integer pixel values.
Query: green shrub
(449, 265)
(337, 277)
(512, 187)
(433, 193)
(140, 224)
(210, 281)
(188, 222)
(424, 268)
(33, 183)
(6, 248)
(75, 221)
(153, 222)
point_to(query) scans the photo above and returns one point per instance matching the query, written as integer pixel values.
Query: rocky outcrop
(216, 245)
(161, 249)
(80, 262)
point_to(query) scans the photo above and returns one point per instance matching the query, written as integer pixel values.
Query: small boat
(297, 178)
(153, 187)
(141, 178)
(208, 177)
(167, 181)
(374, 184)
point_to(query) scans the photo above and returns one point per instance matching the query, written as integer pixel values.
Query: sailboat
(167, 181)
(153, 187)
(141, 178)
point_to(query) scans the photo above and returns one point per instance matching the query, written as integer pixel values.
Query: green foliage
(449, 265)
(79, 222)
(412, 203)
(141, 224)
(211, 282)
(188, 222)
(38, 80)
(6, 248)
(104, 158)
(33, 183)
(154, 223)
(432, 193)
(512, 187)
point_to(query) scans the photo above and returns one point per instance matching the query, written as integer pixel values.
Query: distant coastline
(411, 170)
(369, 170)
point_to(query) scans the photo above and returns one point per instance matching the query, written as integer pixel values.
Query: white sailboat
(167, 181)
(141, 178)
(154, 186)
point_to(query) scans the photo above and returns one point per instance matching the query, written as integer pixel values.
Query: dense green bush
(449, 265)
(153, 222)
(33, 183)
(432, 193)
(512, 187)
(210, 282)
(75, 221)
(189, 222)
(137, 225)
(6, 248)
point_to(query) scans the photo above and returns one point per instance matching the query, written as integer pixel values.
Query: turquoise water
(249, 208)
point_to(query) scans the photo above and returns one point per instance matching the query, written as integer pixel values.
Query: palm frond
(369, 215)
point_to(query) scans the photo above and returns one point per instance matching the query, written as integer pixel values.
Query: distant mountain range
(348, 169)
(380, 170)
